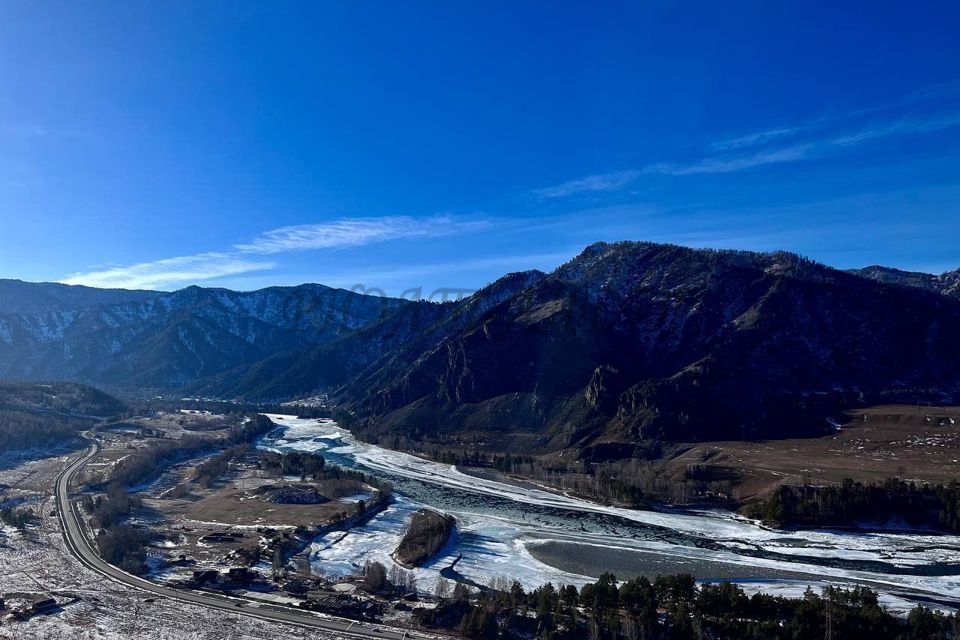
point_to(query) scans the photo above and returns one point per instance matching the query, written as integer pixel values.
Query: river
(520, 532)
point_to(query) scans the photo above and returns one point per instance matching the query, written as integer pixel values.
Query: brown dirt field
(237, 505)
(230, 505)
(876, 443)
(177, 424)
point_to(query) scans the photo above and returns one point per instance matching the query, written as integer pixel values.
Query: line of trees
(294, 463)
(676, 608)
(110, 508)
(145, 463)
(853, 503)
(124, 546)
(396, 580)
(332, 481)
(119, 544)
(210, 470)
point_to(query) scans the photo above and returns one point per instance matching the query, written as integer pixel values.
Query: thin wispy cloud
(619, 179)
(168, 272)
(815, 148)
(354, 232)
(940, 91)
(832, 120)
(344, 233)
(757, 138)
(806, 142)
(898, 128)
(599, 182)
(728, 165)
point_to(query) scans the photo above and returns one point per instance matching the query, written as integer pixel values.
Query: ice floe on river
(498, 523)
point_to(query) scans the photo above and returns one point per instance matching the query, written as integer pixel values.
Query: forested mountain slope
(629, 343)
(164, 341)
(633, 341)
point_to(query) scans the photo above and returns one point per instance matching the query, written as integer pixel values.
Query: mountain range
(162, 341)
(628, 343)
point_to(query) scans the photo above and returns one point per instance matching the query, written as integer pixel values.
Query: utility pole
(828, 610)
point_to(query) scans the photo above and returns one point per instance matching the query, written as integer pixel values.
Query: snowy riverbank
(518, 532)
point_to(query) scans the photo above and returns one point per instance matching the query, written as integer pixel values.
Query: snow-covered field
(498, 524)
(95, 608)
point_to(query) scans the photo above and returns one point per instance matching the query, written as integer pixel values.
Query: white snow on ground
(93, 607)
(494, 552)
(357, 497)
(498, 545)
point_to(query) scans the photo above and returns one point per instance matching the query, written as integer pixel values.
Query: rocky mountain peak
(947, 283)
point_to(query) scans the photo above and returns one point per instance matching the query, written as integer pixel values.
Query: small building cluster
(344, 605)
(233, 578)
(18, 607)
(222, 536)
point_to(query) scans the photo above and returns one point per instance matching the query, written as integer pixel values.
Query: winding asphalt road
(80, 547)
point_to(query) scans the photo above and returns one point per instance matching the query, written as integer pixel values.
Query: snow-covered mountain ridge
(162, 340)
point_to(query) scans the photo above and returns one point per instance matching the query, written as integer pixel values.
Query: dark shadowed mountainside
(34, 414)
(626, 345)
(391, 343)
(58, 397)
(634, 342)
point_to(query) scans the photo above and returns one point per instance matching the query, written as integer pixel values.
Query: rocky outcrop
(947, 283)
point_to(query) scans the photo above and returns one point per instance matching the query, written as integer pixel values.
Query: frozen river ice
(535, 536)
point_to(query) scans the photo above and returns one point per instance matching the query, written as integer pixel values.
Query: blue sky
(442, 144)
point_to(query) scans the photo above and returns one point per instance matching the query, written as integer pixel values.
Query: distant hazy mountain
(164, 340)
(17, 296)
(626, 344)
